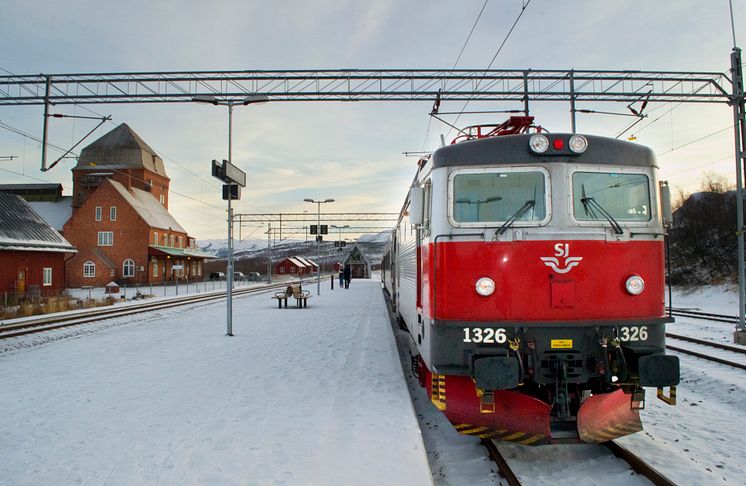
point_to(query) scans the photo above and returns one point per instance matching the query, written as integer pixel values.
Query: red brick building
(120, 222)
(32, 253)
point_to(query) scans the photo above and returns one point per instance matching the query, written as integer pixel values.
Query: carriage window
(498, 196)
(626, 197)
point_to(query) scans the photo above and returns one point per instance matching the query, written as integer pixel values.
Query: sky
(352, 152)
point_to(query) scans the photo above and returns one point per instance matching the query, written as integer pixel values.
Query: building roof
(180, 252)
(22, 189)
(308, 262)
(55, 213)
(297, 262)
(119, 148)
(356, 255)
(22, 229)
(148, 208)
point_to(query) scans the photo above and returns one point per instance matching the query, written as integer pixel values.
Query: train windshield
(624, 197)
(498, 196)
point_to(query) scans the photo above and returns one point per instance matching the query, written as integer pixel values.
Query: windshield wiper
(521, 211)
(591, 205)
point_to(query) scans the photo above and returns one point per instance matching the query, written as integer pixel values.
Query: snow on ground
(312, 396)
(297, 396)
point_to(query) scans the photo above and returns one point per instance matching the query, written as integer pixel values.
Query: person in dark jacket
(341, 278)
(348, 276)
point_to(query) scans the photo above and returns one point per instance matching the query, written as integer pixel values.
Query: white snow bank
(297, 396)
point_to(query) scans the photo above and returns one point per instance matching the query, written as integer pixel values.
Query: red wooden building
(32, 253)
(293, 266)
(120, 222)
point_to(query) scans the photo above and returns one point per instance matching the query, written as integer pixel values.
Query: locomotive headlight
(635, 285)
(539, 143)
(578, 144)
(485, 286)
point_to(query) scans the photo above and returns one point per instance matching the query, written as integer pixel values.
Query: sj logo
(561, 250)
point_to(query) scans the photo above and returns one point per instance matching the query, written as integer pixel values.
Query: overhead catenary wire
(492, 61)
(455, 63)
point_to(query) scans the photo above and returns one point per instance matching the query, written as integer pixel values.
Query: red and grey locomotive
(528, 270)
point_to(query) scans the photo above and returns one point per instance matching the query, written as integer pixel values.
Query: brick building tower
(120, 222)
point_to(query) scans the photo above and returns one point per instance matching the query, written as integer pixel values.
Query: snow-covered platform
(297, 396)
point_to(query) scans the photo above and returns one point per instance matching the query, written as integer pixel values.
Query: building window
(172, 240)
(113, 213)
(181, 242)
(165, 240)
(282, 269)
(155, 268)
(163, 200)
(89, 269)
(155, 238)
(105, 238)
(98, 213)
(47, 277)
(128, 268)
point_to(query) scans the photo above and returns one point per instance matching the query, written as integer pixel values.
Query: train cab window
(482, 197)
(624, 196)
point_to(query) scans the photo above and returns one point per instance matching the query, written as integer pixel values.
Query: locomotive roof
(514, 149)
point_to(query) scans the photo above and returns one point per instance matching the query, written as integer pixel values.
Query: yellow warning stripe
(532, 439)
(501, 434)
(438, 395)
(514, 436)
(611, 433)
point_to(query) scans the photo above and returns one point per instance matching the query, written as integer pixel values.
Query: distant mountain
(253, 255)
(381, 237)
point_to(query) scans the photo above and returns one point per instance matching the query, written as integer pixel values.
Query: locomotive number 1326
(486, 335)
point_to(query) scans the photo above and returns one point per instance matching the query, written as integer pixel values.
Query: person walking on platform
(347, 276)
(341, 277)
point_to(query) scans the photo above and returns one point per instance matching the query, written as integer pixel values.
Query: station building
(359, 265)
(32, 253)
(120, 222)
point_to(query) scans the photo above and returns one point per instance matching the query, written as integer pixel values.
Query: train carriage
(528, 269)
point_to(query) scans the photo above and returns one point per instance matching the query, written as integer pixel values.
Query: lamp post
(340, 228)
(230, 104)
(318, 240)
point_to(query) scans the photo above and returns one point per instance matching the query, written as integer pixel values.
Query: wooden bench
(301, 296)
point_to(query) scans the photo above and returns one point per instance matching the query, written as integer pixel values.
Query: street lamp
(318, 240)
(230, 104)
(340, 228)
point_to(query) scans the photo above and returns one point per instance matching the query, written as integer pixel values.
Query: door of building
(21, 282)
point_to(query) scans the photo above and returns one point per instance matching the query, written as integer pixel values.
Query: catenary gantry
(367, 85)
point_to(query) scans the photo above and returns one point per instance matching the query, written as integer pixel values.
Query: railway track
(725, 354)
(635, 463)
(704, 315)
(56, 321)
(734, 356)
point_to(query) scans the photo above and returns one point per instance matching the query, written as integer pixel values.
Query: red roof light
(558, 144)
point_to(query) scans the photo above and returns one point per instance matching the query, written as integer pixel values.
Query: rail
(636, 463)
(55, 321)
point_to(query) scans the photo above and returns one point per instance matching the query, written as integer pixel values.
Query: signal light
(538, 143)
(578, 144)
(558, 144)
